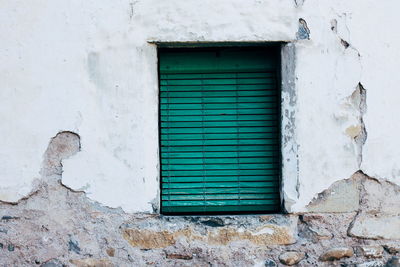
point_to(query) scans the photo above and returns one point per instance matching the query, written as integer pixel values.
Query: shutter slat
(218, 196)
(207, 124)
(227, 202)
(211, 142)
(270, 104)
(219, 132)
(253, 111)
(220, 190)
(221, 100)
(211, 136)
(219, 87)
(239, 166)
(217, 81)
(213, 161)
(220, 75)
(232, 178)
(214, 151)
(211, 155)
(221, 172)
(212, 94)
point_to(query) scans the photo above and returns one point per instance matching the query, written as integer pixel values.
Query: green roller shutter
(219, 130)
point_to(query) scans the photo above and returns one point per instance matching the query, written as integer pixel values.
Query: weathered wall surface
(79, 168)
(88, 67)
(57, 227)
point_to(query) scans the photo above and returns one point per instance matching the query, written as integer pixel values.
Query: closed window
(220, 130)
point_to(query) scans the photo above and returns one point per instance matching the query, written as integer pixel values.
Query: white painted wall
(88, 67)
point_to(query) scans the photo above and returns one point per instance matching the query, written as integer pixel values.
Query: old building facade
(81, 172)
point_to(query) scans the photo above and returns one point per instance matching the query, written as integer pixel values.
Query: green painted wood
(213, 130)
(193, 197)
(218, 61)
(234, 189)
(219, 75)
(203, 112)
(214, 100)
(270, 86)
(239, 166)
(214, 142)
(219, 161)
(202, 136)
(219, 131)
(270, 104)
(219, 94)
(240, 150)
(232, 178)
(223, 154)
(237, 171)
(222, 117)
(226, 202)
(204, 124)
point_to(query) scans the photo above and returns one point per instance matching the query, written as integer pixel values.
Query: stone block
(337, 254)
(342, 196)
(268, 234)
(371, 226)
(291, 257)
(371, 251)
(392, 248)
(89, 262)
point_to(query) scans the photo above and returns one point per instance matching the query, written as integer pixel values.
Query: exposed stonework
(370, 264)
(97, 88)
(374, 227)
(92, 263)
(75, 227)
(370, 251)
(283, 232)
(62, 146)
(60, 226)
(269, 263)
(291, 257)
(379, 215)
(342, 196)
(393, 248)
(393, 262)
(337, 254)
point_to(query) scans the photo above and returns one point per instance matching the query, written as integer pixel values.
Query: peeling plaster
(289, 147)
(62, 146)
(304, 31)
(101, 82)
(341, 196)
(361, 137)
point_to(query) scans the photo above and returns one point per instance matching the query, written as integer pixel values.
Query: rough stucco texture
(88, 67)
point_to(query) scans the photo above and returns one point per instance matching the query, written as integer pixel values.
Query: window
(220, 130)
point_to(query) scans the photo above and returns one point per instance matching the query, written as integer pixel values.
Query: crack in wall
(132, 10)
(378, 213)
(360, 200)
(361, 138)
(358, 97)
(299, 3)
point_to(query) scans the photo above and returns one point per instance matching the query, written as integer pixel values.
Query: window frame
(288, 166)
